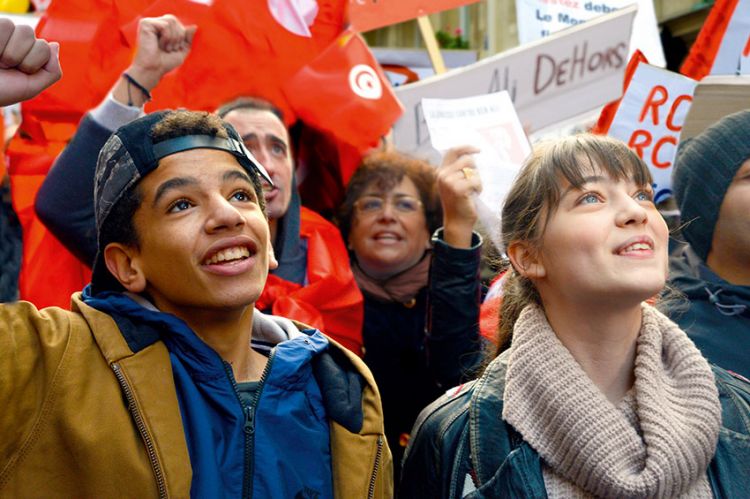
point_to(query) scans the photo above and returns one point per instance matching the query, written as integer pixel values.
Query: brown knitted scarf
(401, 287)
(658, 444)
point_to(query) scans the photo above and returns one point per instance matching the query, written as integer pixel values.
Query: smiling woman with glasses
(421, 293)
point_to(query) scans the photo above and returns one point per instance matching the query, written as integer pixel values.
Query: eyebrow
(236, 175)
(272, 136)
(585, 180)
(176, 183)
(171, 184)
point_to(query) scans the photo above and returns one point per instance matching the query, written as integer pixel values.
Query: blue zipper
(249, 424)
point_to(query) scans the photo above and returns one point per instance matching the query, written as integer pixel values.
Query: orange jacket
(331, 300)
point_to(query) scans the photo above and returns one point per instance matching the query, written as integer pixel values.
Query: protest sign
(489, 123)
(732, 57)
(723, 44)
(539, 18)
(549, 81)
(650, 118)
(366, 15)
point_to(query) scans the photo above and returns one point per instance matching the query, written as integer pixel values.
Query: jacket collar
(288, 245)
(697, 281)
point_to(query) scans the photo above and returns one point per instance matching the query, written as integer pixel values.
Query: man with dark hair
(164, 379)
(711, 181)
(313, 282)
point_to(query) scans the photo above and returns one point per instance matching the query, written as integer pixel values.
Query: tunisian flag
(345, 92)
(723, 44)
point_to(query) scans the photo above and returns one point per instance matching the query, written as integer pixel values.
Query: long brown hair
(535, 195)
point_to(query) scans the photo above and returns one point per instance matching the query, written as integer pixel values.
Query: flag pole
(428, 35)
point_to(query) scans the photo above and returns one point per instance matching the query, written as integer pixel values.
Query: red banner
(345, 92)
(365, 15)
(236, 51)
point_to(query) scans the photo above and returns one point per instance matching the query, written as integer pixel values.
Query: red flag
(365, 15)
(343, 91)
(609, 111)
(237, 51)
(92, 54)
(702, 54)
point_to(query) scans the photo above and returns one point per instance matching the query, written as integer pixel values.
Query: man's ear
(123, 263)
(526, 260)
(272, 262)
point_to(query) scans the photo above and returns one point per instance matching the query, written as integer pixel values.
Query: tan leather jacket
(81, 415)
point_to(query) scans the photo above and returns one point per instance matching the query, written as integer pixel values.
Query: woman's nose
(388, 212)
(632, 213)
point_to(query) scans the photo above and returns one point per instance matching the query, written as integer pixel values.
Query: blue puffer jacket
(717, 315)
(461, 447)
(234, 452)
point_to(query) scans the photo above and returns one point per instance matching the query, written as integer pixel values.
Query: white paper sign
(650, 119)
(489, 123)
(549, 81)
(732, 56)
(539, 18)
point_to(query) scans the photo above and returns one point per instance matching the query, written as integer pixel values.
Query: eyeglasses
(371, 205)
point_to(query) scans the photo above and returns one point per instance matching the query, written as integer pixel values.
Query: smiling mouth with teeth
(636, 247)
(228, 255)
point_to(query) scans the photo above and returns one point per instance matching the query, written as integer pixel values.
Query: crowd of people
(234, 343)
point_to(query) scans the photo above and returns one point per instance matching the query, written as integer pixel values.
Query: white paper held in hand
(490, 123)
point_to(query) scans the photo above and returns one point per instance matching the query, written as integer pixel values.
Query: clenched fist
(28, 64)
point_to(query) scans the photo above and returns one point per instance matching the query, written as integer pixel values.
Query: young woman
(596, 393)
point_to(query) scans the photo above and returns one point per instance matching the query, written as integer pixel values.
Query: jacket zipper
(371, 490)
(249, 425)
(150, 449)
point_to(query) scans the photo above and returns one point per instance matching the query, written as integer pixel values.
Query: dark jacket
(460, 442)
(415, 353)
(717, 315)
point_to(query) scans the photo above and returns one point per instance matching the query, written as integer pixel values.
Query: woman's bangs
(582, 157)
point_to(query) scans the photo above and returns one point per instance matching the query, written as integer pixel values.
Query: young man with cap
(313, 282)
(164, 380)
(711, 181)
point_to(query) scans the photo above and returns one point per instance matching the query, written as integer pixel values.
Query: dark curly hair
(386, 170)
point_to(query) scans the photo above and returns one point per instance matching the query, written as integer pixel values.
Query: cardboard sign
(549, 81)
(539, 18)
(714, 98)
(650, 119)
(366, 15)
(489, 123)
